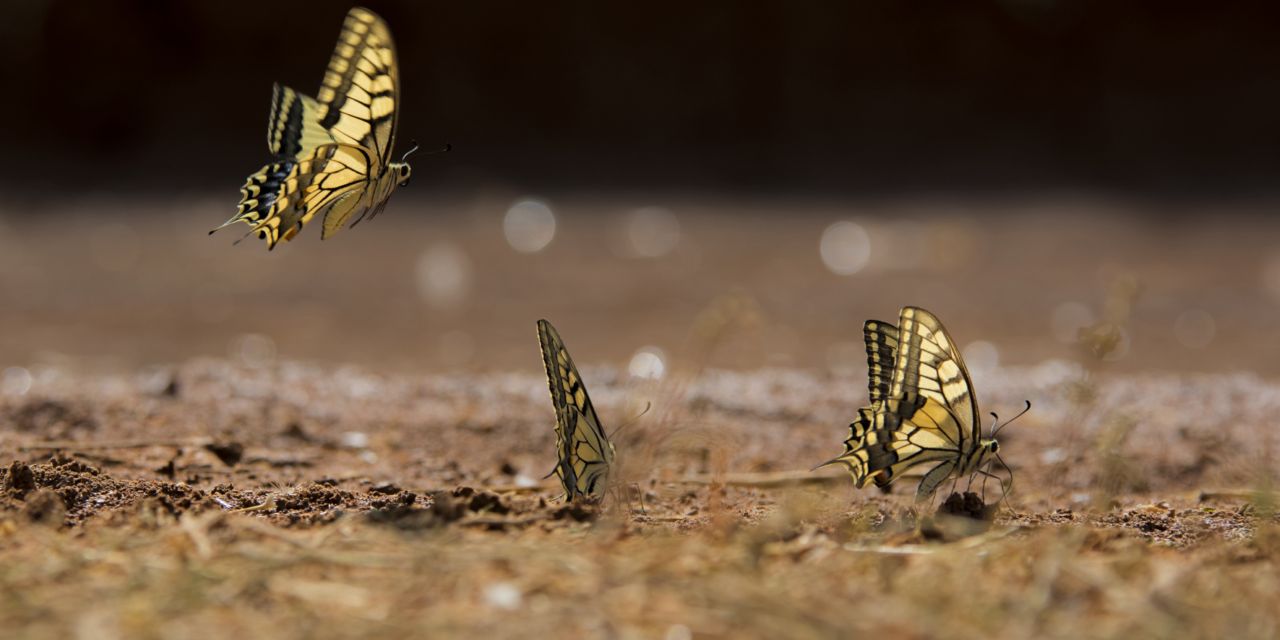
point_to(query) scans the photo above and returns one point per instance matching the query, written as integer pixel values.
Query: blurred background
(1024, 168)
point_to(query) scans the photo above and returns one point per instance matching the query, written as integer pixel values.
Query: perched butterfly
(331, 155)
(922, 409)
(584, 450)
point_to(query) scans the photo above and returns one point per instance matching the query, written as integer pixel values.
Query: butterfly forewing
(882, 341)
(294, 124)
(360, 88)
(929, 364)
(584, 451)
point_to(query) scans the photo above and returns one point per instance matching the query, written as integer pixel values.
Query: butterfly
(585, 453)
(922, 408)
(331, 155)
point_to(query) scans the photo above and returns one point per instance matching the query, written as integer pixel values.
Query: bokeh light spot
(1068, 319)
(529, 225)
(254, 350)
(648, 362)
(15, 381)
(1194, 328)
(845, 247)
(443, 274)
(652, 232)
(981, 357)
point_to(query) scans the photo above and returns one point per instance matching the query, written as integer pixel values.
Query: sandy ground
(347, 439)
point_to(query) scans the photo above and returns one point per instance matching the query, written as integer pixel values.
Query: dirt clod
(447, 507)
(483, 501)
(578, 511)
(45, 506)
(230, 453)
(19, 479)
(969, 505)
(52, 418)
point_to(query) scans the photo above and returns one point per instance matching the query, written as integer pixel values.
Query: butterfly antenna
(414, 149)
(996, 430)
(647, 406)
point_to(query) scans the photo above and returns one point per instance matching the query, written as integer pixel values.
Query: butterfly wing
(585, 452)
(922, 412)
(328, 152)
(930, 415)
(929, 366)
(882, 343)
(284, 195)
(361, 86)
(293, 128)
(881, 340)
(359, 97)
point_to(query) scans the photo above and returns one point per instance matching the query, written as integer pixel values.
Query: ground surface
(326, 441)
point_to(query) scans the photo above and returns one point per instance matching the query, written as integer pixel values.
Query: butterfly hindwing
(583, 449)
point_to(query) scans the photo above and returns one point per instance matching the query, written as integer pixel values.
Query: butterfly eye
(995, 447)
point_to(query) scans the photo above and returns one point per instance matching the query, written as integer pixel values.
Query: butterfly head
(988, 449)
(402, 172)
(401, 169)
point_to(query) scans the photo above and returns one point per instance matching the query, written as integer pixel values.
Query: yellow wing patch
(584, 451)
(294, 125)
(922, 410)
(360, 87)
(330, 154)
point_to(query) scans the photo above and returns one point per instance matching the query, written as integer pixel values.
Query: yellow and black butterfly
(922, 409)
(331, 155)
(585, 453)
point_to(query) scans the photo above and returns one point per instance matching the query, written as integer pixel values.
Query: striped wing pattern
(922, 411)
(882, 341)
(584, 451)
(360, 87)
(330, 154)
(294, 124)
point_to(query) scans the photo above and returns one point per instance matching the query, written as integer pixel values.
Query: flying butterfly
(922, 408)
(331, 155)
(584, 451)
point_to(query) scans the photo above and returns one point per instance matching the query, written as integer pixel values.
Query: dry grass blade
(765, 480)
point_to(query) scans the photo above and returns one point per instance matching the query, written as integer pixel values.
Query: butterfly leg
(1004, 493)
(936, 476)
